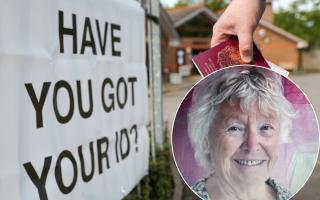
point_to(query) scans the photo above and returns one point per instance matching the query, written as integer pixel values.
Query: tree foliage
(302, 18)
(216, 5)
(180, 3)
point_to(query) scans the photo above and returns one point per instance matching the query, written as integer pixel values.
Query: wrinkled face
(244, 144)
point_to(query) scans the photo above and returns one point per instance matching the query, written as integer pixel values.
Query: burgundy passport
(224, 55)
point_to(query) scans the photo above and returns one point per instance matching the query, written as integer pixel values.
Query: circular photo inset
(245, 132)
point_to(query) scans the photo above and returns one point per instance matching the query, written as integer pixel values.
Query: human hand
(240, 18)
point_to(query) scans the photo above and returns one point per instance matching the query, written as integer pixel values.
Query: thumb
(218, 37)
(245, 46)
(215, 40)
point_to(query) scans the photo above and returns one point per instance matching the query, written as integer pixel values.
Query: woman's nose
(251, 140)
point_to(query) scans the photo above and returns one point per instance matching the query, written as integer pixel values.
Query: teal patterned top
(282, 193)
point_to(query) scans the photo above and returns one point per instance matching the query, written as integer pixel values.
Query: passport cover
(224, 55)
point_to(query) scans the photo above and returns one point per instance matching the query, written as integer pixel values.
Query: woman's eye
(267, 130)
(235, 129)
(266, 127)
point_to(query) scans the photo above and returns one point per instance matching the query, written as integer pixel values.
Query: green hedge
(159, 183)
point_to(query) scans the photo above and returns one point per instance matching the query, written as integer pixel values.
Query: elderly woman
(237, 122)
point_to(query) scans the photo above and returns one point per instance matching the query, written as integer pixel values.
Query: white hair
(255, 85)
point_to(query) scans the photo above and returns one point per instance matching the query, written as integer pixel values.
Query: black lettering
(102, 154)
(60, 118)
(116, 146)
(39, 182)
(82, 112)
(58, 172)
(90, 42)
(110, 107)
(67, 31)
(86, 178)
(115, 39)
(126, 153)
(38, 104)
(132, 80)
(125, 89)
(102, 42)
(134, 128)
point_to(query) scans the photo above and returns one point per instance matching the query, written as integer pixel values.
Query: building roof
(181, 15)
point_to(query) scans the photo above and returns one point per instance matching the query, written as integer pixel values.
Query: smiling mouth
(249, 162)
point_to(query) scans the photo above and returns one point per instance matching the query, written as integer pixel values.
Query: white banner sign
(73, 104)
